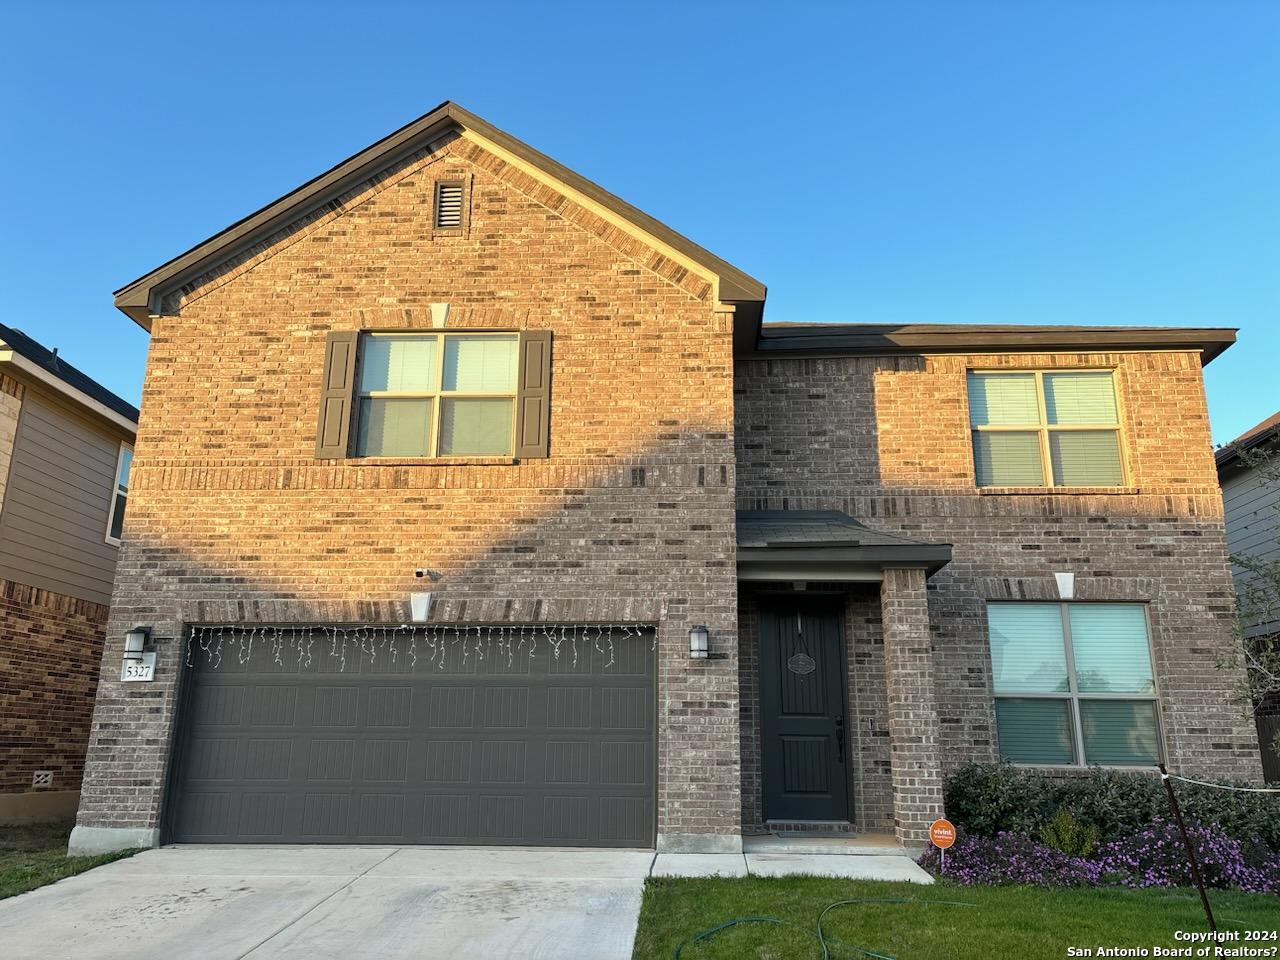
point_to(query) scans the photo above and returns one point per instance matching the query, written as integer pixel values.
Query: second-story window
(1045, 429)
(437, 395)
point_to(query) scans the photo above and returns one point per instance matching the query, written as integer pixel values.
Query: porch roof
(825, 544)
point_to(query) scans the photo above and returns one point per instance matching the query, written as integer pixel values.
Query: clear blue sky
(1019, 162)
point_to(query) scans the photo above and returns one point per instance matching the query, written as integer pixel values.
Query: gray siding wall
(53, 522)
(1253, 522)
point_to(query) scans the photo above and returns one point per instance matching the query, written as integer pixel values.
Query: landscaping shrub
(1064, 832)
(987, 799)
(991, 798)
(1152, 857)
(1156, 857)
(1010, 858)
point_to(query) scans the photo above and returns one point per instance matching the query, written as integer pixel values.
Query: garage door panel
(448, 761)
(331, 760)
(505, 749)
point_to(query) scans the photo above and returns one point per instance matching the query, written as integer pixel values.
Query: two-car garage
(477, 735)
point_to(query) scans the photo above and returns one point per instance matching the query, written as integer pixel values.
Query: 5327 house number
(143, 669)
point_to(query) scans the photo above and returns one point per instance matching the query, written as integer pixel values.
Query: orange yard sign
(942, 833)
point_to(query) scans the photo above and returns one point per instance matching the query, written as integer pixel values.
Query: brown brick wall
(630, 519)
(887, 441)
(50, 646)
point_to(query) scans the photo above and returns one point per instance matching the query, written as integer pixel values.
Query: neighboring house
(65, 447)
(1252, 504)
(689, 577)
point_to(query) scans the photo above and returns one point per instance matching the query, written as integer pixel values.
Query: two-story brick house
(689, 576)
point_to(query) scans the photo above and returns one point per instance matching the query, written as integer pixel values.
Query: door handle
(840, 737)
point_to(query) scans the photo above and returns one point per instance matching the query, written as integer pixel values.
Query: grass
(31, 856)
(1018, 923)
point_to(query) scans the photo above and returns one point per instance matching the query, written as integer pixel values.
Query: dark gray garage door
(420, 736)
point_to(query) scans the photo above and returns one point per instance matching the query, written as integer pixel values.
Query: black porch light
(699, 642)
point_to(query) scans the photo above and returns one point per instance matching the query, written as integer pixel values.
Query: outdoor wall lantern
(134, 641)
(699, 643)
(138, 665)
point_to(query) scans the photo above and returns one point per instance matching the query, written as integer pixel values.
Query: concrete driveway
(347, 903)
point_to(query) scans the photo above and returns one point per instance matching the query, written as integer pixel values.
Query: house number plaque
(134, 671)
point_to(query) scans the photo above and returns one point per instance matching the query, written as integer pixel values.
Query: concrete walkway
(349, 903)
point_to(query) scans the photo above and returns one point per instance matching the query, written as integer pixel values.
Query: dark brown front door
(802, 682)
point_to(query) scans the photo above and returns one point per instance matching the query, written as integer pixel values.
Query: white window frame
(115, 490)
(1073, 695)
(1044, 429)
(437, 397)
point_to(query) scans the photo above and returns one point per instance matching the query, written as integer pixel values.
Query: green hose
(824, 941)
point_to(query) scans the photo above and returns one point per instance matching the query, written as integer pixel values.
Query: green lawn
(32, 856)
(1019, 923)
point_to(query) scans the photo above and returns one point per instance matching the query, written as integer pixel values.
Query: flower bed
(1018, 827)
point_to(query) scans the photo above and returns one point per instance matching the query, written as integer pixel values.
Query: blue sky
(1018, 162)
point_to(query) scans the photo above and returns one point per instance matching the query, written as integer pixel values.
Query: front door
(802, 722)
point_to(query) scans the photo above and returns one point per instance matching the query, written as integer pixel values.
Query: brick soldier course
(664, 418)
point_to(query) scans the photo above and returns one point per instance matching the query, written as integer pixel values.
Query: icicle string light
(398, 643)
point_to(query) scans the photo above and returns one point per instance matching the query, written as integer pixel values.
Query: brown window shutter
(533, 399)
(334, 427)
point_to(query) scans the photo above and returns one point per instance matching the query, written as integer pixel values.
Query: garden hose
(824, 941)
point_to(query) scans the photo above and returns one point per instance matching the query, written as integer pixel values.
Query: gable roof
(137, 299)
(1227, 454)
(47, 366)
(880, 339)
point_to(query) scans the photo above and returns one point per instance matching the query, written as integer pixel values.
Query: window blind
(1086, 458)
(481, 364)
(1087, 397)
(1035, 731)
(394, 428)
(1112, 653)
(1003, 399)
(398, 364)
(476, 426)
(1120, 732)
(1007, 459)
(1028, 652)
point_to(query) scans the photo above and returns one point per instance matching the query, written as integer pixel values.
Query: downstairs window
(1074, 684)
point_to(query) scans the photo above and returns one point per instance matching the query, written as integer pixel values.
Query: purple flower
(1153, 857)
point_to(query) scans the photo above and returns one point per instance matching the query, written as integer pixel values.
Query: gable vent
(448, 206)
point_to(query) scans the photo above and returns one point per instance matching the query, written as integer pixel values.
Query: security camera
(421, 572)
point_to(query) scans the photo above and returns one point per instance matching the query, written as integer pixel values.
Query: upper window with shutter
(449, 205)
(1046, 429)
(447, 395)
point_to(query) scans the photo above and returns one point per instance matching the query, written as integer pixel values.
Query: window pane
(1120, 732)
(480, 364)
(394, 428)
(117, 516)
(1079, 398)
(1109, 642)
(398, 364)
(1007, 459)
(476, 426)
(122, 475)
(1086, 458)
(1035, 731)
(1028, 654)
(1003, 398)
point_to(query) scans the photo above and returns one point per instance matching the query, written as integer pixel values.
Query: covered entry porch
(839, 720)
